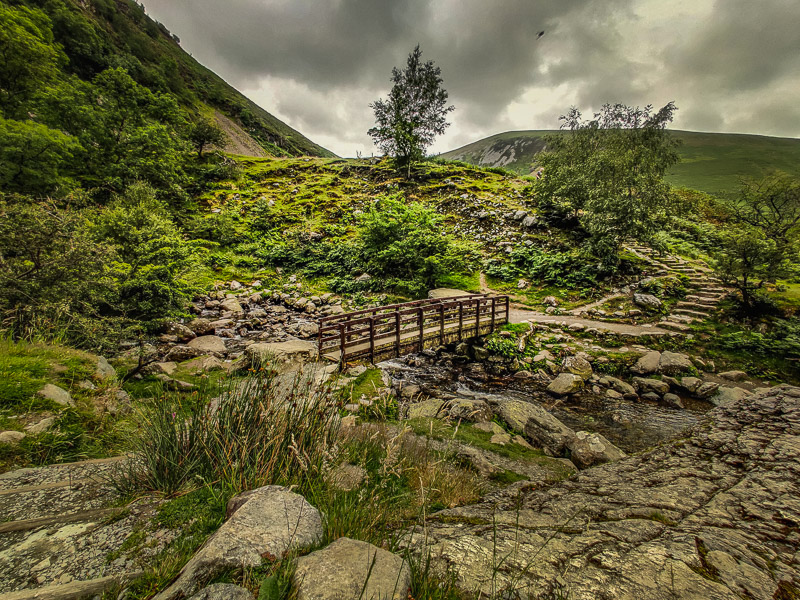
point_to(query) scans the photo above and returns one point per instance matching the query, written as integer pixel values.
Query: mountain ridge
(710, 162)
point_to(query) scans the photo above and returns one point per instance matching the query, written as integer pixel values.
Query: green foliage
(33, 156)
(152, 259)
(414, 114)
(781, 340)
(607, 174)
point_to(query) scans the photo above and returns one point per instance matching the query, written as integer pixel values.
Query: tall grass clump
(265, 429)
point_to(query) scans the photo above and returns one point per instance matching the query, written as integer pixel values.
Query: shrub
(264, 430)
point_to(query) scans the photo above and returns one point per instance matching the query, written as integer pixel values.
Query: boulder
(646, 385)
(548, 433)
(577, 366)
(40, 426)
(284, 356)
(57, 394)
(587, 449)
(307, 330)
(350, 569)
(706, 390)
(690, 384)
(208, 344)
(232, 305)
(167, 368)
(204, 363)
(672, 400)
(181, 332)
(426, 409)
(647, 364)
(182, 353)
(733, 375)
(565, 383)
(263, 524)
(223, 591)
(647, 301)
(529, 221)
(469, 409)
(672, 363)
(103, 370)
(517, 413)
(725, 395)
(543, 355)
(489, 427)
(11, 437)
(617, 385)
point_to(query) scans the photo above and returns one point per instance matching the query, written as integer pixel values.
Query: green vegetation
(714, 163)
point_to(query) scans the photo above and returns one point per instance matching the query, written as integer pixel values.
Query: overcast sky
(729, 65)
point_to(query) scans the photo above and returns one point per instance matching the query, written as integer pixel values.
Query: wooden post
(441, 324)
(372, 340)
(493, 311)
(477, 317)
(460, 320)
(342, 342)
(397, 333)
(508, 316)
(421, 325)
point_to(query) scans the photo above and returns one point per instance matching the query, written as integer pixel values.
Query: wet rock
(706, 390)
(647, 364)
(264, 524)
(588, 449)
(651, 397)
(672, 363)
(565, 383)
(208, 344)
(577, 366)
(673, 401)
(617, 385)
(57, 394)
(350, 569)
(644, 385)
(690, 384)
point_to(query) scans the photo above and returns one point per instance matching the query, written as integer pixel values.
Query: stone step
(698, 306)
(674, 326)
(689, 313)
(678, 318)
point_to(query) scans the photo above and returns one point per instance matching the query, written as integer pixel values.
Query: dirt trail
(517, 315)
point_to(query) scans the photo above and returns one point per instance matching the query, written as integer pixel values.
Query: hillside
(97, 35)
(711, 162)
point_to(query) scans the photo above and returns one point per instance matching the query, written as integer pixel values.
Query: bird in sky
(541, 33)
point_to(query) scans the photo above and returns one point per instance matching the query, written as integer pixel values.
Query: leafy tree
(205, 133)
(607, 173)
(28, 60)
(33, 156)
(152, 260)
(761, 242)
(414, 114)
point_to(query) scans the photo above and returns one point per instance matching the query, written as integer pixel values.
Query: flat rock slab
(713, 515)
(268, 523)
(350, 569)
(284, 355)
(223, 591)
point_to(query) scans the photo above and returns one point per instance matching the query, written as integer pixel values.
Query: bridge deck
(398, 329)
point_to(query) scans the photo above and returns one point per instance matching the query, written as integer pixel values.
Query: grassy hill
(95, 35)
(711, 162)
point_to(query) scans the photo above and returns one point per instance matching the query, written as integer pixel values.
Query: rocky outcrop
(351, 569)
(262, 523)
(713, 515)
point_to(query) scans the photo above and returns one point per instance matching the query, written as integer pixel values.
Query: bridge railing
(400, 328)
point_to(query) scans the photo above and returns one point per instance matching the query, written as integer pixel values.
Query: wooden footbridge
(398, 329)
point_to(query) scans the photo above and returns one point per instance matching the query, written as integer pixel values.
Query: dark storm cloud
(318, 63)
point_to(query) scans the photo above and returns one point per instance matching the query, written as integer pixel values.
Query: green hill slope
(711, 162)
(96, 35)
